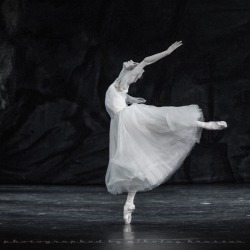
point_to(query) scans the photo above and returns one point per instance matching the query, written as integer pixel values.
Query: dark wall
(58, 58)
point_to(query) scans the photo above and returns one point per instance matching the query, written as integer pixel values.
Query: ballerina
(147, 143)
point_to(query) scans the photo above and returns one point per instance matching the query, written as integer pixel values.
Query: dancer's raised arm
(132, 71)
(154, 58)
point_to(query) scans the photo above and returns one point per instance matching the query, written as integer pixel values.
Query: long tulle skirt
(148, 144)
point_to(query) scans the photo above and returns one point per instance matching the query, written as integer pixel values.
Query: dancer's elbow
(147, 60)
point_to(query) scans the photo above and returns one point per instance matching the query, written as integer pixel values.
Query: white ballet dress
(147, 143)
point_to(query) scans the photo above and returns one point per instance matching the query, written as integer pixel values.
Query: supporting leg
(130, 198)
(218, 125)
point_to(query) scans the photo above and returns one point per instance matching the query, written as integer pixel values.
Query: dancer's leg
(218, 125)
(130, 198)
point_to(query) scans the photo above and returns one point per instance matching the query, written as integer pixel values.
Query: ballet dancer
(147, 143)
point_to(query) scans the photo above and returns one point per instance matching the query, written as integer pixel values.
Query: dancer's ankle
(129, 204)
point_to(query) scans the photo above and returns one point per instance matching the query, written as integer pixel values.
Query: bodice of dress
(115, 100)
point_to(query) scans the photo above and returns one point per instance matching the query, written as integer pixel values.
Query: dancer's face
(130, 64)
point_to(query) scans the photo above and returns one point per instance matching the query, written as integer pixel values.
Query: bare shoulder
(138, 71)
(142, 64)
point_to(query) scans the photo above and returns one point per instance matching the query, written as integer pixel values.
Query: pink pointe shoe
(127, 213)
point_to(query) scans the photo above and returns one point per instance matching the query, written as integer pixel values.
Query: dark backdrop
(58, 57)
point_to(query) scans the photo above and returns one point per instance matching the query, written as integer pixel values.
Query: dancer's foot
(127, 212)
(218, 125)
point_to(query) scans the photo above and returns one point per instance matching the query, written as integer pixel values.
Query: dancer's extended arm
(154, 58)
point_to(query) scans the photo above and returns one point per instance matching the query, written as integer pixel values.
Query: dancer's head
(129, 69)
(129, 65)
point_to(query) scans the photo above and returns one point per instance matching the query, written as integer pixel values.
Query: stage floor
(207, 216)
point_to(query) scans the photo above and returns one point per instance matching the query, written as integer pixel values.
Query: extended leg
(129, 207)
(218, 125)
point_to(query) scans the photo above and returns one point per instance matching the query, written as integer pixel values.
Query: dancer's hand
(140, 100)
(131, 99)
(174, 46)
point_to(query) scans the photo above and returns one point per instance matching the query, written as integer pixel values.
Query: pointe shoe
(218, 125)
(221, 125)
(127, 213)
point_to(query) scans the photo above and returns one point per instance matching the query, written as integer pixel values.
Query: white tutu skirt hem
(148, 144)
